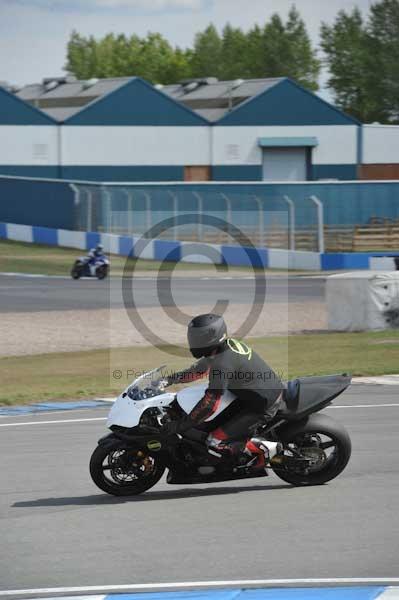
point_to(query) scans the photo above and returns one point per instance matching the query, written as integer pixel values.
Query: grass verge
(76, 375)
(38, 259)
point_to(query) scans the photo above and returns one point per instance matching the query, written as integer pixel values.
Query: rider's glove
(174, 427)
(160, 384)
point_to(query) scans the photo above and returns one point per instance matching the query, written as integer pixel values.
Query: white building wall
(35, 145)
(124, 146)
(239, 145)
(380, 144)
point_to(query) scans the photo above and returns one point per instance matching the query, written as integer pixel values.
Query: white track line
(52, 422)
(208, 584)
(19, 424)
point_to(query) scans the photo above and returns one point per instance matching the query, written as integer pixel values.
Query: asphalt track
(57, 529)
(23, 294)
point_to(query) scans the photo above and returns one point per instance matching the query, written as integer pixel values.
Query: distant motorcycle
(132, 459)
(83, 267)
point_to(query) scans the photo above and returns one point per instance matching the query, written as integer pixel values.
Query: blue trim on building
(126, 173)
(136, 103)
(14, 111)
(47, 172)
(286, 103)
(92, 239)
(242, 256)
(45, 235)
(341, 172)
(237, 172)
(288, 142)
(167, 250)
(3, 231)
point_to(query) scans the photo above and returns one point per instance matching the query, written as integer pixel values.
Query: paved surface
(20, 294)
(57, 529)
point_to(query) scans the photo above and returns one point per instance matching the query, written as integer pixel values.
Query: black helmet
(205, 334)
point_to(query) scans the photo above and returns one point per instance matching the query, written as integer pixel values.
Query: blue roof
(286, 103)
(135, 103)
(14, 111)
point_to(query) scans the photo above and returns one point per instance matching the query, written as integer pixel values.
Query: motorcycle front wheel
(102, 272)
(322, 440)
(124, 472)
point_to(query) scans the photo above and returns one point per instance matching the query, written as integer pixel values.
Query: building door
(285, 164)
(197, 173)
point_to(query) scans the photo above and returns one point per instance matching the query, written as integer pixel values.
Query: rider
(230, 365)
(93, 255)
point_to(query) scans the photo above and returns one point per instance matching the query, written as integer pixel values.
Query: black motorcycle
(314, 448)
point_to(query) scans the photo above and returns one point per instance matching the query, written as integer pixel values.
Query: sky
(34, 33)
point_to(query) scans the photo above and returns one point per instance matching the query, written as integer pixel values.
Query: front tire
(112, 471)
(102, 272)
(309, 436)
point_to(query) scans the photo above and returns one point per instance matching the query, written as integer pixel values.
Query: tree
(345, 46)
(303, 63)
(234, 61)
(207, 54)
(276, 50)
(383, 59)
(363, 59)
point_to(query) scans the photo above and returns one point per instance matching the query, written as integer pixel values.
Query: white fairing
(127, 412)
(189, 397)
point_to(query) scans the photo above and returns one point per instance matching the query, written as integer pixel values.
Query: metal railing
(275, 221)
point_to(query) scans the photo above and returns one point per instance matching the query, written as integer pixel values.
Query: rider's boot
(260, 452)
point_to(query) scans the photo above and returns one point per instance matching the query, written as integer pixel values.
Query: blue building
(125, 129)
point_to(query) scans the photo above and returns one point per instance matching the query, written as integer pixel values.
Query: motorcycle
(131, 459)
(82, 267)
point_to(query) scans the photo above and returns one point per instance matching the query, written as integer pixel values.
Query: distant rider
(230, 365)
(93, 255)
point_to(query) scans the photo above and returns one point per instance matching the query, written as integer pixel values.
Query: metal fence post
(175, 210)
(200, 211)
(107, 209)
(320, 222)
(261, 221)
(147, 197)
(228, 212)
(76, 201)
(291, 210)
(129, 211)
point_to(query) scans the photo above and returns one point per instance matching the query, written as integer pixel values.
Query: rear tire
(115, 488)
(336, 462)
(76, 271)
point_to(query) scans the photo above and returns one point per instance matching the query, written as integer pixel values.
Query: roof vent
(236, 83)
(50, 85)
(190, 87)
(89, 83)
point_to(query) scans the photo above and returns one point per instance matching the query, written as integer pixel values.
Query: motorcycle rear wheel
(106, 470)
(324, 434)
(76, 273)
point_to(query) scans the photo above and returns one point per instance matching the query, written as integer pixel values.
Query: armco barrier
(175, 251)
